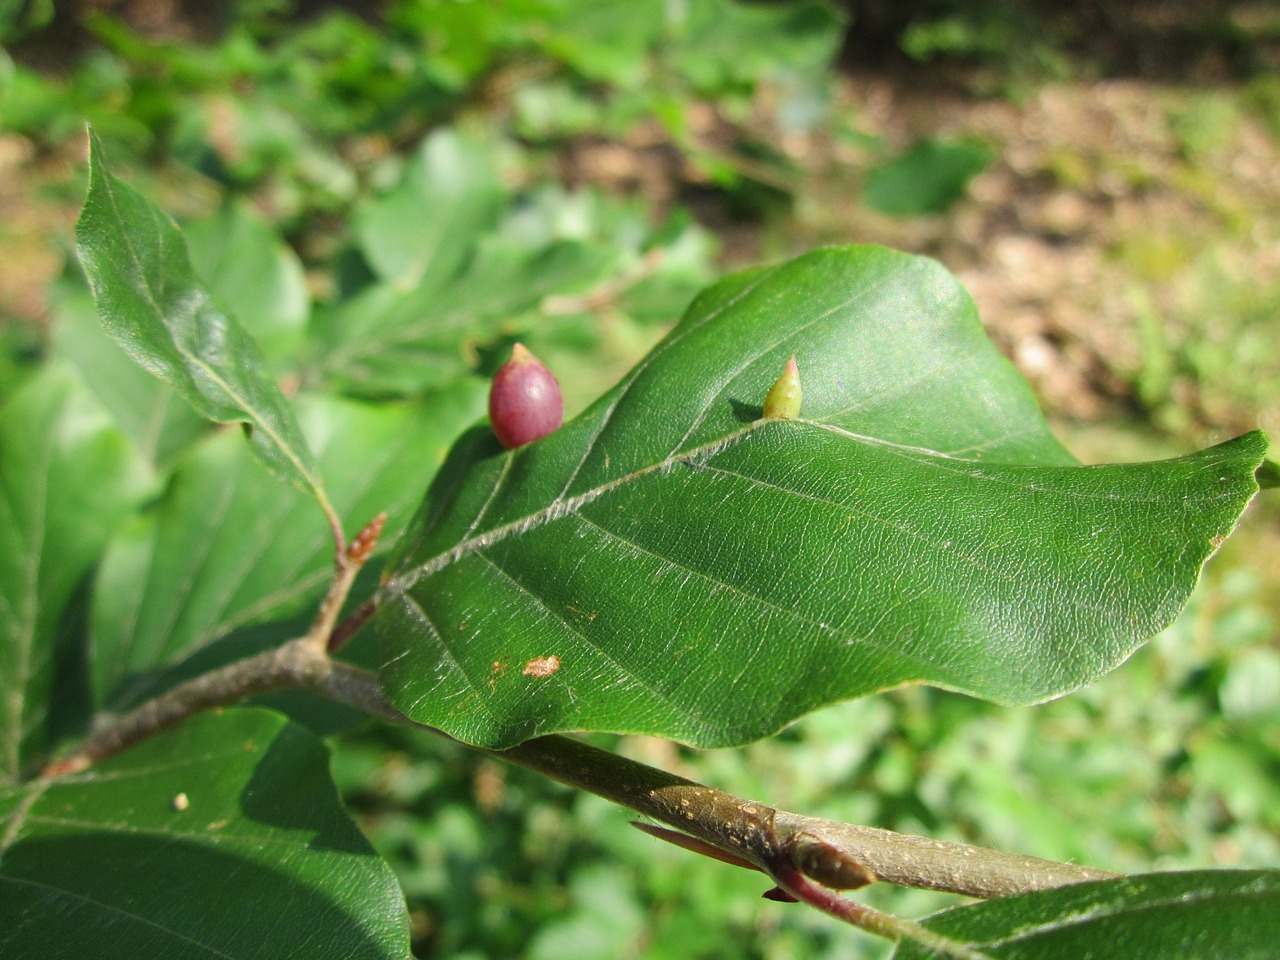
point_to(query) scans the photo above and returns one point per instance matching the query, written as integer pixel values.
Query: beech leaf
(151, 302)
(700, 573)
(1209, 914)
(68, 478)
(223, 837)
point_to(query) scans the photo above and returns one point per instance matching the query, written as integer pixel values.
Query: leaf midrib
(109, 908)
(563, 506)
(16, 702)
(560, 507)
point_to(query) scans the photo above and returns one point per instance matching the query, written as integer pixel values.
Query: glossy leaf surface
(150, 300)
(1197, 915)
(705, 575)
(67, 479)
(226, 546)
(221, 838)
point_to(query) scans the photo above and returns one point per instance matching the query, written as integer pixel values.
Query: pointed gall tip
(782, 402)
(521, 354)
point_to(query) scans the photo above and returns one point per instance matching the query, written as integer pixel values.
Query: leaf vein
(656, 692)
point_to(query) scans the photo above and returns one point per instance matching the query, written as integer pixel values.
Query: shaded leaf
(384, 341)
(221, 838)
(724, 45)
(927, 178)
(1197, 915)
(1269, 474)
(251, 271)
(418, 235)
(151, 302)
(158, 421)
(67, 479)
(226, 546)
(705, 575)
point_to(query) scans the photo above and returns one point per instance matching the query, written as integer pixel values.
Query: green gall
(782, 402)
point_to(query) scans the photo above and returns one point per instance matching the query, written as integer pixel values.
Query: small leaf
(150, 301)
(931, 529)
(925, 179)
(221, 838)
(67, 479)
(1196, 915)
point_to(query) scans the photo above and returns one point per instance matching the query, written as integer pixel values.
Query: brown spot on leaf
(541, 667)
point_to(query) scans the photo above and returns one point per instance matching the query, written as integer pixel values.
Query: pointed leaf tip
(782, 402)
(151, 302)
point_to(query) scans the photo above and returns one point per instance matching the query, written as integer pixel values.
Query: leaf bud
(829, 865)
(782, 402)
(524, 402)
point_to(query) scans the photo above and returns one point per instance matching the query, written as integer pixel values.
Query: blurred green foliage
(1020, 42)
(293, 109)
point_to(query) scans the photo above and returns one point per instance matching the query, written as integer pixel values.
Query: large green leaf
(227, 546)
(67, 478)
(222, 838)
(151, 302)
(1198, 915)
(670, 563)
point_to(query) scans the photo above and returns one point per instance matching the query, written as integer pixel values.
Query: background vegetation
(1107, 183)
